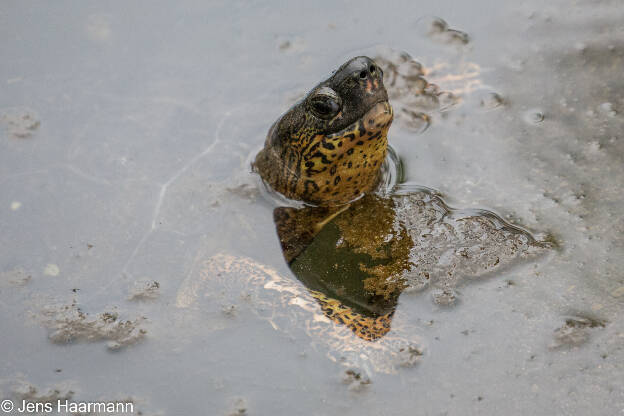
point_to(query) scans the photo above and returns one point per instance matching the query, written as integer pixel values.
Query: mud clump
(409, 356)
(444, 297)
(20, 123)
(229, 310)
(46, 400)
(68, 323)
(23, 390)
(238, 407)
(15, 277)
(244, 190)
(355, 379)
(491, 100)
(575, 331)
(144, 290)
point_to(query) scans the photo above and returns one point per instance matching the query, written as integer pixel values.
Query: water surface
(127, 131)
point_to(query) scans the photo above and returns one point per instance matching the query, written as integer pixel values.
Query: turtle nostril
(372, 69)
(363, 74)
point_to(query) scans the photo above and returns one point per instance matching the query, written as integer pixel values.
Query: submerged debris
(68, 323)
(444, 297)
(23, 390)
(20, 123)
(144, 289)
(576, 331)
(48, 399)
(15, 277)
(409, 355)
(293, 45)
(229, 310)
(618, 292)
(238, 406)
(491, 100)
(356, 379)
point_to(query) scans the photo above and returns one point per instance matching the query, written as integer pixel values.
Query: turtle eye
(325, 104)
(325, 107)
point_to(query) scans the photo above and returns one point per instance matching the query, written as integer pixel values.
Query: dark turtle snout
(363, 69)
(359, 84)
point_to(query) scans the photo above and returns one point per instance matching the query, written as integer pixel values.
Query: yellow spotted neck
(330, 169)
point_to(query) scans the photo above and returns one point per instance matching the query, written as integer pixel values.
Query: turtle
(353, 236)
(354, 244)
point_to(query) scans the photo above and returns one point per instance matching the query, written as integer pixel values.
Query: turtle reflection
(356, 260)
(351, 260)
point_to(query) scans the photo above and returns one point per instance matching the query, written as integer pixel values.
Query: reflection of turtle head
(328, 148)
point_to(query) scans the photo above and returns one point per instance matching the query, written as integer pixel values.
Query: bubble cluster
(414, 98)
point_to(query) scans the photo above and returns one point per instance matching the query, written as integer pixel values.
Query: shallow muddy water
(139, 259)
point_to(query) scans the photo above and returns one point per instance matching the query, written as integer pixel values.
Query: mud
(68, 324)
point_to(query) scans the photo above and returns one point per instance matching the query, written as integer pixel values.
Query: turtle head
(345, 97)
(328, 148)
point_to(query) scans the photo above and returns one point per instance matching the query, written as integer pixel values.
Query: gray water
(126, 135)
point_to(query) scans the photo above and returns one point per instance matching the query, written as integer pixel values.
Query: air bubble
(534, 116)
